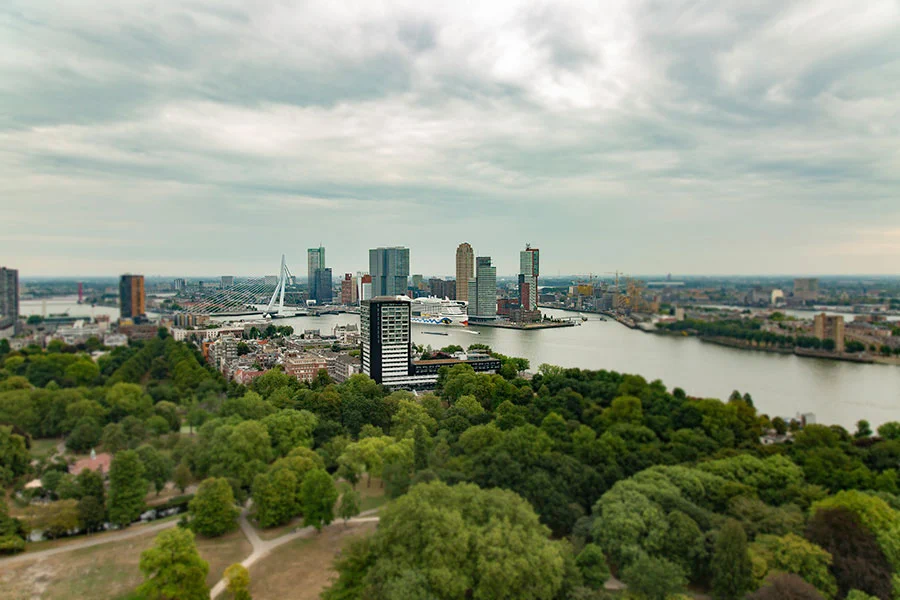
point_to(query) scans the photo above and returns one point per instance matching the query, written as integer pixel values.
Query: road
(100, 539)
(262, 547)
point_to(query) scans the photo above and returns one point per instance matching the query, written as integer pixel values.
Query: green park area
(563, 485)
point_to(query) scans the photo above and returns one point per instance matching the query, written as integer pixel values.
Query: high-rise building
(315, 260)
(529, 270)
(132, 301)
(465, 270)
(830, 327)
(385, 336)
(324, 286)
(389, 268)
(483, 290)
(806, 289)
(349, 290)
(386, 354)
(417, 281)
(180, 285)
(442, 288)
(9, 297)
(365, 287)
(227, 281)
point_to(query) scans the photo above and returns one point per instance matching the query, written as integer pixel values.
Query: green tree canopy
(172, 568)
(212, 508)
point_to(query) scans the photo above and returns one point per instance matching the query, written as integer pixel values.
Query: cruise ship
(439, 311)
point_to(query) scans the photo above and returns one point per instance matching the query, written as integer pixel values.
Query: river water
(836, 392)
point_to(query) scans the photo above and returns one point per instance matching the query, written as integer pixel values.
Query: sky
(210, 136)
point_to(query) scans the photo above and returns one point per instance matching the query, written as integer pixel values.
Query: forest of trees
(503, 487)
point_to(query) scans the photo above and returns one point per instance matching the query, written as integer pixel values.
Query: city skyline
(703, 139)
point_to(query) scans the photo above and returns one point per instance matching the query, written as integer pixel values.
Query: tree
(420, 449)
(212, 509)
(238, 578)
(14, 456)
(275, 497)
(863, 429)
(182, 476)
(349, 505)
(91, 513)
(592, 565)
(173, 568)
(786, 587)
(654, 578)
(157, 466)
(446, 542)
(731, 567)
(114, 438)
(858, 561)
(127, 488)
(318, 495)
(55, 519)
(793, 554)
(85, 435)
(289, 429)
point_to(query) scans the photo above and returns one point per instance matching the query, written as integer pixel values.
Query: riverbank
(524, 326)
(804, 352)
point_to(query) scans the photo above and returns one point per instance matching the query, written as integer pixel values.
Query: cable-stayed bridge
(263, 296)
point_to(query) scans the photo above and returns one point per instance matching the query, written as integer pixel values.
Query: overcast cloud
(207, 137)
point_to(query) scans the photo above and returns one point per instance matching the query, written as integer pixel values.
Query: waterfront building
(483, 290)
(9, 298)
(529, 270)
(389, 268)
(315, 260)
(349, 290)
(418, 282)
(386, 347)
(830, 327)
(465, 270)
(365, 285)
(442, 288)
(227, 281)
(324, 286)
(132, 300)
(180, 285)
(806, 289)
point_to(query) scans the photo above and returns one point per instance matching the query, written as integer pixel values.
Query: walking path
(262, 547)
(105, 538)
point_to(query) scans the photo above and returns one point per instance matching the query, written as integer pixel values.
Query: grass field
(42, 448)
(106, 571)
(300, 569)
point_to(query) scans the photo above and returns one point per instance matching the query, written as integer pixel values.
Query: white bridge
(246, 296)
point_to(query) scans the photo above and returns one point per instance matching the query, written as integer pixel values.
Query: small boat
(435, 332)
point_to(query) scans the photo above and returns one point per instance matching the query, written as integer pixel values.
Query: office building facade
(465, 270)
(349, 290)
(9, 298)
(315, 260)
(483, 290)
(389, 268)
(830, 327)
(365, 287)
(385, 339)
(529, 270)
(324, 286)
(132, 301)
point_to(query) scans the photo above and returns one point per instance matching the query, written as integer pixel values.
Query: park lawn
(371, 496)
(43, 447)
(220, 552)
(106, 571)
(309, 562)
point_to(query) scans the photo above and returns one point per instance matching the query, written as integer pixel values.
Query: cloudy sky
(207, 137)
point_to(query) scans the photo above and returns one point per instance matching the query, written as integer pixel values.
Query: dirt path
(262, 547)
(97, 541)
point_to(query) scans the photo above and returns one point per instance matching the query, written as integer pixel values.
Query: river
(836, 392)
